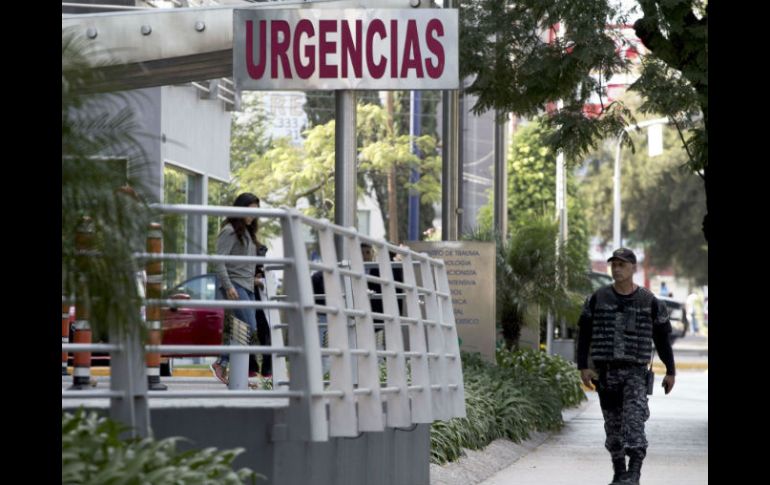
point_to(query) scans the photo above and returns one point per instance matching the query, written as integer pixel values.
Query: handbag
(235, 331)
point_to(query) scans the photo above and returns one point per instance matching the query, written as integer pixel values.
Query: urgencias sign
(377, 49)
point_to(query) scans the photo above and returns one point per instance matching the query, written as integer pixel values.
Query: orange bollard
(65, 336)
(154, 271)
(81, 374)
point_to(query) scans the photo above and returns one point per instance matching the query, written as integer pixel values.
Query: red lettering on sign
(256, 71)
(304, 71)
(412, 56)
(376, 26)
(435, 26)
(353, 52)
(279, 49)
(334, 48)
(325, 47)
(394, 49)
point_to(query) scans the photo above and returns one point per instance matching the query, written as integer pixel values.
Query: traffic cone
(81, 374)
(154, 271)
(65, 336)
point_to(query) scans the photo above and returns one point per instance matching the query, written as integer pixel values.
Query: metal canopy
(156, 47)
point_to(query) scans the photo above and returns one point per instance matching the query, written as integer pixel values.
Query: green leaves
(92, 453)
(555, 370)
(518, 64)
(525, 392)
(287, 173)
(526, 261)
(662, 199)
(518, 67)
(100, 154)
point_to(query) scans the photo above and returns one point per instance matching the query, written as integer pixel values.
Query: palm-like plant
(526, 274)
(98, 129)
(529, 274)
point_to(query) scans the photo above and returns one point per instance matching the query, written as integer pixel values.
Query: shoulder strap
(654, 315)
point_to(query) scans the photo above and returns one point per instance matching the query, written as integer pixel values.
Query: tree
(285, 173)
(526, 274)
(675, 80)
(320, 107)
(662, 203)
(532, 185)
(526, 261)
(320, 110)
(517, 68)
(428, 126)
(248, 135)
(395, 149)
(98, 140)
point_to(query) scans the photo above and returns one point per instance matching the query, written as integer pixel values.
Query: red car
(193, 326)
(183, 326)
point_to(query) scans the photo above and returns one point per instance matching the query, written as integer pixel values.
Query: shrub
(525, 392)
(93, 453)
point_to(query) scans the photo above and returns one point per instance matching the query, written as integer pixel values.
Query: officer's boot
(634, 468)
(619, 466)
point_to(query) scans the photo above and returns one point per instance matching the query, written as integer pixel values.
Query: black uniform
(619, 330)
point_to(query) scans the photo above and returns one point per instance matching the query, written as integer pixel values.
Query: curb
(477, 466)
(105, 371)
(659, 369)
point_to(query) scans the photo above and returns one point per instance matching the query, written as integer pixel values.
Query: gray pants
(623, 399)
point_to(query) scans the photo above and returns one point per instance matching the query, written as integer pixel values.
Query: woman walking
(236, 280)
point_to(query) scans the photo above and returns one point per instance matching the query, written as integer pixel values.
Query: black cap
(623, 254)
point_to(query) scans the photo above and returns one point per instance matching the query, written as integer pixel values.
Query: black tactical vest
(622, 327)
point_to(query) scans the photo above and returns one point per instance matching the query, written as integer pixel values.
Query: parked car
(677, 315)
(193, 326)
(184, 325)
(599, 279)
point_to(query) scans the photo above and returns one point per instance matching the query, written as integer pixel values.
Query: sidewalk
(678, 446)
(478, 465)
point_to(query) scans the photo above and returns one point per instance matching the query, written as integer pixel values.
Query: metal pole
(414, 196)
(344, 163)
(561, 214)
(450, 153)
(450, 178)
(557, 34)
(501, 180)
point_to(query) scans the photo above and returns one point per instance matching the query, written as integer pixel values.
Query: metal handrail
(428, 393)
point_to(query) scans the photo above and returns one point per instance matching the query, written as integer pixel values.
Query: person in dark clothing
(263, 327)
(617, 326)
(375, 301)
(398, 275)
(317, 280)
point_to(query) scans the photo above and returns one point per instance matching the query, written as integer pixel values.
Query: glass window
(218, 195)
(175, 191)
(199, 288)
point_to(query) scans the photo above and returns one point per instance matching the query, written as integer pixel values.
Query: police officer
(618, 325)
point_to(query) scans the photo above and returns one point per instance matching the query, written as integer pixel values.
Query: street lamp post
(616, 236)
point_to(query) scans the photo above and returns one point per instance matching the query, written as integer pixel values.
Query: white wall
(197, 131)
